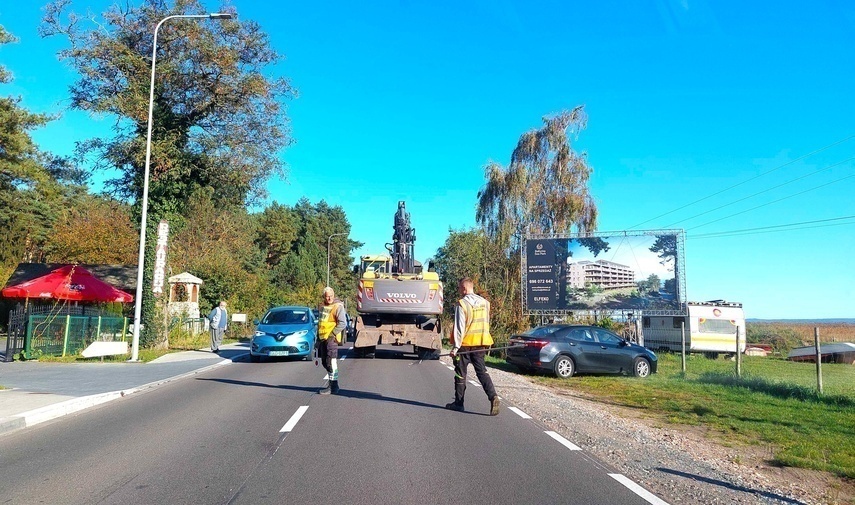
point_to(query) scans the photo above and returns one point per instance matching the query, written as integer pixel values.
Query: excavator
(397, 303)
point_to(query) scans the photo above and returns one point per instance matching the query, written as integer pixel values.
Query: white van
(710, 328)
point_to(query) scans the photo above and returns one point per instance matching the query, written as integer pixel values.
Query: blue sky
(707, 116)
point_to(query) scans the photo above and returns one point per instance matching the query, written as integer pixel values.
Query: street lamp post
(328, 254)
(135, 348)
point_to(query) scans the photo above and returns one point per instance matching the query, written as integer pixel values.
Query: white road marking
(474, 383)
(563, 441)
(519, 412)
(293, 421)
(449, 367)
(640, 491)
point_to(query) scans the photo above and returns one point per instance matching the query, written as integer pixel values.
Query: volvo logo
(401, 295)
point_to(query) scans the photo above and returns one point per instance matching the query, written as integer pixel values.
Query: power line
(773, 201)
(761, 192)
(699, 237)
(774, 228)
(748, 180)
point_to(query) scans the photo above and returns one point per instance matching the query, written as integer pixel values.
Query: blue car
(284, 331)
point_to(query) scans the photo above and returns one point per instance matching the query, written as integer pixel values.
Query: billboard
(640, 270)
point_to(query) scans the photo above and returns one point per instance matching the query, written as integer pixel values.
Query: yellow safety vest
(477, 331)
(327, 321)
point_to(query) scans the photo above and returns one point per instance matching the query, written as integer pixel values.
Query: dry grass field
(785, 335)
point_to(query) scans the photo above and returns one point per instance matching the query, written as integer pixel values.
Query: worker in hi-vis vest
(471, 338)
(331, 326)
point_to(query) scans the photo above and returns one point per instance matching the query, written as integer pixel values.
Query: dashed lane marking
(519, 412)
(563, 441)
(640, 491)
(294, 419)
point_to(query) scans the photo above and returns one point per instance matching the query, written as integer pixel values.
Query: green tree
(219, 120)
(277, 230)
(218, 245)
(94, 229)
(666, 248)
(294, 244)
(218, 125)
(34, 186)
(471, 253)
(543, 190)
(545, 187)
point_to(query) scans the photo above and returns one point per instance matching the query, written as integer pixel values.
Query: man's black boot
(334, 387)
(454, 406)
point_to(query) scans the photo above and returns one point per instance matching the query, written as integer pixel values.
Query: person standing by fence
(219, 321)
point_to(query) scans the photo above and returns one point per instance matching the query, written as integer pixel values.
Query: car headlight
(260, 333)
(299, 333)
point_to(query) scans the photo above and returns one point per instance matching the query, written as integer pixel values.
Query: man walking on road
(219, 321)
(471, 338)
(331, 324)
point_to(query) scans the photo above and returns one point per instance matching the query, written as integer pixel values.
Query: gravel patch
(677, 464)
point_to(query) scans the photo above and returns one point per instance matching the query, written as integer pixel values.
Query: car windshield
(542, 331)
(287, 316)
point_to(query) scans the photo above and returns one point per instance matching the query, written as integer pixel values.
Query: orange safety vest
(477, 332)
(327, 321)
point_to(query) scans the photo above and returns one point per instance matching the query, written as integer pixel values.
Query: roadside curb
(49, 412)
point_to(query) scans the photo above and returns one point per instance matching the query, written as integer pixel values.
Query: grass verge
(774, 405)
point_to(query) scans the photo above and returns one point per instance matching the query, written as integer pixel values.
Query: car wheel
(254, 358)
(564, 367)
(641, 367)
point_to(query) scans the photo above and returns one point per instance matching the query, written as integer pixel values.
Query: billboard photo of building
(612, 271)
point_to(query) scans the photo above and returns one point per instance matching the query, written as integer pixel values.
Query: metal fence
(19, 320)
(52, 335)
(192, 325)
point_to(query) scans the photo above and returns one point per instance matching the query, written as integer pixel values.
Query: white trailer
(711, 328)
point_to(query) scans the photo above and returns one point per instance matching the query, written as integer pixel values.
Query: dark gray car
(565, 349)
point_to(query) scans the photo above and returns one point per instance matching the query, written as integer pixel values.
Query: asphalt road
(259, 433)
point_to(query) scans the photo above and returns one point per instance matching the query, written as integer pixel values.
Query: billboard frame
(680, 273)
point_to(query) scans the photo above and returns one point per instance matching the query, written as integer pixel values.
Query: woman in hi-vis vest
(471, 339)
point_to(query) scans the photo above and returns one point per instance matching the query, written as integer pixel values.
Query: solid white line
(474, 383)
(640, 491)
(293, 421)
(519, 412)
(449, 367)
(563, 441)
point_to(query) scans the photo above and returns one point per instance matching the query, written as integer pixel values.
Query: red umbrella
(70, 282)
